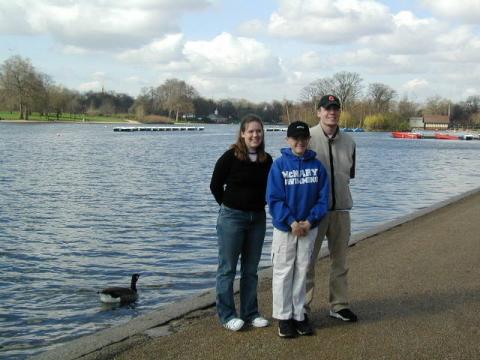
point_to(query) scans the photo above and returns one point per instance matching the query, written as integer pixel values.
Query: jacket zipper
(332, 173)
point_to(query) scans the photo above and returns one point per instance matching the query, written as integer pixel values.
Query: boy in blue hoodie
(297, 197)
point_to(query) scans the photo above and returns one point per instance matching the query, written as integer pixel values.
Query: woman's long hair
(241, 150)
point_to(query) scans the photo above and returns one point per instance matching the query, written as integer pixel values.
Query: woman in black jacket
(238, 184)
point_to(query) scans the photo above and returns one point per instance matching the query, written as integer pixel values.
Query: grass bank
(14, 116)
(66, 117)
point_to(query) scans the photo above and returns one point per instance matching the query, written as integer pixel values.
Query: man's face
(329, 116)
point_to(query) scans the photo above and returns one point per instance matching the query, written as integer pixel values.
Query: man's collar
(334, 134)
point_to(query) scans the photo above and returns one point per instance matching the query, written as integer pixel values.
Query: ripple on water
(86, 210)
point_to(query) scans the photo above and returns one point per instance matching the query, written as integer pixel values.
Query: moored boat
(406, 135)
(446, 136)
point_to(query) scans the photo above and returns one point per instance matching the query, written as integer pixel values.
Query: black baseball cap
(328, 100)
(298, 129)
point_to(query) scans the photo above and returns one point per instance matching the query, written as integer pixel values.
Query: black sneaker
(303, 327)
(286, 329)
(344, 314)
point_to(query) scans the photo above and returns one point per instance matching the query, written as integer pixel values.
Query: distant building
(219, 119)
(416, 123)
(189, 116)
(436, 122)
(430, 122)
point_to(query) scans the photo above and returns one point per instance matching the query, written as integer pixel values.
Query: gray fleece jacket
(338, 156)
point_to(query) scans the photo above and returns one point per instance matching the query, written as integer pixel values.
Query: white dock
(159, 128)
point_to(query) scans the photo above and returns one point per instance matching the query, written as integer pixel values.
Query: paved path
(416, 289)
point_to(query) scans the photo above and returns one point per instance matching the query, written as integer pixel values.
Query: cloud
(252, 28)
(465, 11)
(363, 60)
(311, 60)
(471, 92)
(97, 83)
(91, 86)
(411, 52)
(251, 89)
(373, 62)
(445, 81)
(97, 24)
(230, 56)
(416, 86)
(134, 79)
(226, 64)
(415, 45)
(223, 56)
(409, 35)
(73, 50)
(460, 45)
(328, 22)
(235, 67)
(163, 51)
(13, 19)
(99, 75)
(141, 43)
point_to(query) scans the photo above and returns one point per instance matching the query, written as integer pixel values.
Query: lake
(83, 207)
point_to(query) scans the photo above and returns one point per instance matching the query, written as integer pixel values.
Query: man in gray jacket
(336, 151)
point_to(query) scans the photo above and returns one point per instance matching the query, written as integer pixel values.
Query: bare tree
(381, 97)
(76, 104)
(435, 105)
(473, 103)
(347, 86)
(466, 113)
(41, 101)
(309, 93)
(315, 90)
(475, 120)
(59, 100)
(406, 108)
(21, 83)
(176, 96)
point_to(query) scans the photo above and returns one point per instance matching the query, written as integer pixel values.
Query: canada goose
(121, 295)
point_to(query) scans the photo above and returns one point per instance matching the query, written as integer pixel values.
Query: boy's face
(298, 144)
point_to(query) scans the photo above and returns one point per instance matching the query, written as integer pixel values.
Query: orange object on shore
(406, 135)
(446, 136)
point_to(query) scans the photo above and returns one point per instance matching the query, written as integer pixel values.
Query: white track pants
(290, 257)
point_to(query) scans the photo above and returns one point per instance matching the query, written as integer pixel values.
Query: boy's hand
(306, 226)
(297, 229)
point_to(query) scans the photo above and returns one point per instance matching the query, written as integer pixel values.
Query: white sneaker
(234, 324)
(260, 322)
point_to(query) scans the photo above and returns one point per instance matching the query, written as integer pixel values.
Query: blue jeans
(239, 233)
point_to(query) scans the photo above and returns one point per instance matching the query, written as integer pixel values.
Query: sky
(259, 50)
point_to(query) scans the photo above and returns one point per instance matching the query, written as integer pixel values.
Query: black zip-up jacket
(240, 184)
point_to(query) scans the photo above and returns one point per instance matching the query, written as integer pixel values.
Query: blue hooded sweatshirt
(297, 189)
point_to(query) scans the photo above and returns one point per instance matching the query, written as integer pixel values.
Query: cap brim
(332, 104)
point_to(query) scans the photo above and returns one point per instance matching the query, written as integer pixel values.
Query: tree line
(378, 106)
(25, 90)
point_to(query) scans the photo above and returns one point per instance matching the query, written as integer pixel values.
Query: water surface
(83, 207)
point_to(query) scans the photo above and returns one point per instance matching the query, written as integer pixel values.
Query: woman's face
(253, 135)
